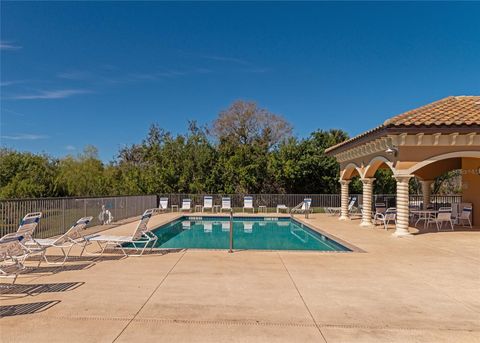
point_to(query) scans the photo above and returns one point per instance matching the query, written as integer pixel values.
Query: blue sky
(83, 73)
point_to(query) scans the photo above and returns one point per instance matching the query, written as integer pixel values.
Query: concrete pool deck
(424, 288)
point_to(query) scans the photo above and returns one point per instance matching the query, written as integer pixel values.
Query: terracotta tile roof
(452, 111)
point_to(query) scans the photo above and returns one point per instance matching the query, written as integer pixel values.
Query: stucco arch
(433, 159)
(349, 171)
(376, 163)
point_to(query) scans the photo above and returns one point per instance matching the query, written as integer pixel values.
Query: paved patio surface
(424, 288)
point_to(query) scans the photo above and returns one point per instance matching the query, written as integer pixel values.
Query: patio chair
(248, 204)
(27, 227)
(336, 211)
(303, 207)
(444, 216)
(141, 236)
(412, 215)
(12, 256)
(163, 205)
(465, 216)
(186, 205)
(386, 217)
(226, 204)
(207, 203)
(65, 242)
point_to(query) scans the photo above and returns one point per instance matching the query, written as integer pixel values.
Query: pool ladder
(292, 211)
(230, 250)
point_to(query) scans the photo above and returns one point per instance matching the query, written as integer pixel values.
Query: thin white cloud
(24, 136)
(13, 112)
(76, 75)
(55, 94)
(70, 148)
(9, 83)
(4, 45)
(226, 59)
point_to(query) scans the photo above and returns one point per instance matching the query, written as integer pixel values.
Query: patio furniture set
(457, 214)
(17, 247)
(226, 205)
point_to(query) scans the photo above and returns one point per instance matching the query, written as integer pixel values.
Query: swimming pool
(262, 233)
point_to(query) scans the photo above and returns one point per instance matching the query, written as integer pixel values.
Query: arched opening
(350, 171)
(451, 180)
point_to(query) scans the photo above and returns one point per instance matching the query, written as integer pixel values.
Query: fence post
(63, 214)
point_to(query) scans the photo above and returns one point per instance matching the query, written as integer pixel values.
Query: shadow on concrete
(33, 289)
(22, 309)
(57, 269)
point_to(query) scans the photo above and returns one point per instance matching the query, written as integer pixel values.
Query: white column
(426, 186)
(367, 201)
(344, 199)
(401, 228)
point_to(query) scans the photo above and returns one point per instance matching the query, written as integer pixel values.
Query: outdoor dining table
(424, 215)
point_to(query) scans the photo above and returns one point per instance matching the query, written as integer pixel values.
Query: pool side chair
(207, 203)
(465, 217)
(351, 207)
(27, 227)
(12, 256)
(226, 204)
(248, 204)
(186, 205)
(336, 211)
(65, 242)
(140, 239)
(303, 207)
(163, 205)
(386, 217)
(444, 216)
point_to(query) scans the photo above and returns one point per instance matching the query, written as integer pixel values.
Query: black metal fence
(60, 213)
(268, 200)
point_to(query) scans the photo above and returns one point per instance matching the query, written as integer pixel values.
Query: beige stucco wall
(471, 185)
(408, 156)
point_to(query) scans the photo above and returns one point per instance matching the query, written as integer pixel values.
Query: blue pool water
(248, 233)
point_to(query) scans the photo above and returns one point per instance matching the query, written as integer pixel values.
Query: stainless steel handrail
(231, 232)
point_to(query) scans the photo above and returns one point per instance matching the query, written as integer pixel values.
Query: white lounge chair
(226, 204)
(207, 203)
(386, 217)
(12, 257)
(27, 227)
(444, 216)
(336, 211)
(303, 207)
(248, 204)
(65, 242)
(163, 205)
(186, 205)
(141, 236)
(465, 216)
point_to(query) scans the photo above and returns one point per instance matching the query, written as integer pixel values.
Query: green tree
(24, 175)
(82, 175)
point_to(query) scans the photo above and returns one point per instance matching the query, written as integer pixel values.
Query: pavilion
(425, 143)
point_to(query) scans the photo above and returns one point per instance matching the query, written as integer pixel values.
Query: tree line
(247, 149)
